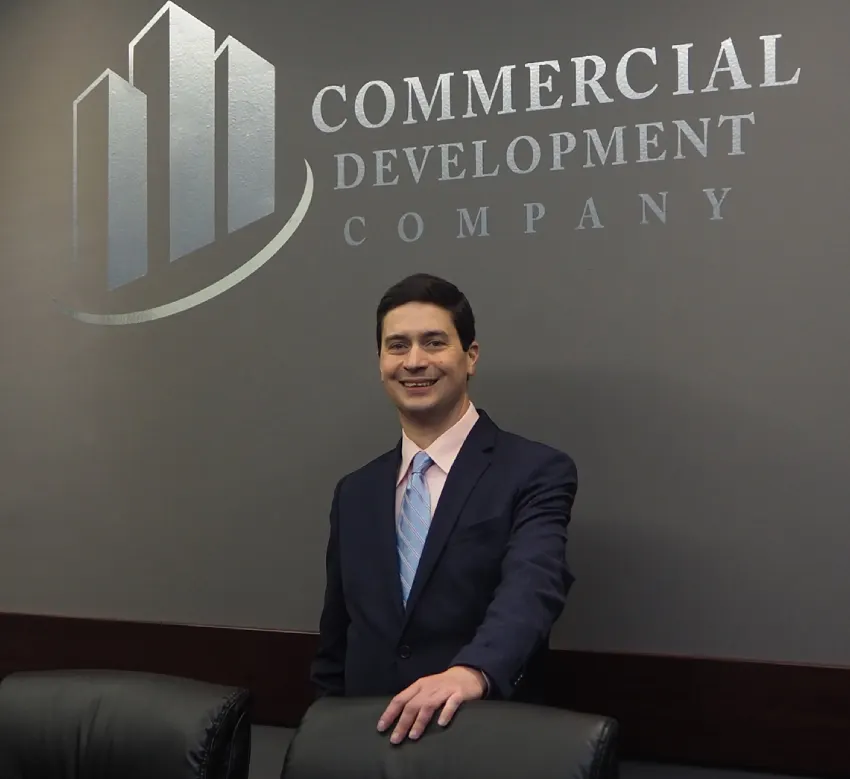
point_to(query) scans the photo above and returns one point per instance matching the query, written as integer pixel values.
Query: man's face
(423, 365)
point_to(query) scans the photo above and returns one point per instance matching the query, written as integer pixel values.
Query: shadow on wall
(700, 527)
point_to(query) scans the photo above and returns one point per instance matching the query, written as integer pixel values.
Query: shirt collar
(444, 450)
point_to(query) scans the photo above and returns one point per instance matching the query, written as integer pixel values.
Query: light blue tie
(414, 519)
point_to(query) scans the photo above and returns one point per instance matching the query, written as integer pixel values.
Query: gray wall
(181, 469)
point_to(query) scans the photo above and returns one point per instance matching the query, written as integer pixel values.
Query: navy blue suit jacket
(491, 581)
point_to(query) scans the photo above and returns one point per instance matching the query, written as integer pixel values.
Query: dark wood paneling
(782, 718)
(274, 665)
(776, 717)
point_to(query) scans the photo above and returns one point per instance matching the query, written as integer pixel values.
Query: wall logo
(174, 74)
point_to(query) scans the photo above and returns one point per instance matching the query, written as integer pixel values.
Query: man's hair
(424, 288)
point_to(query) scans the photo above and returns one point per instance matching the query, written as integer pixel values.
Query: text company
(456, 161)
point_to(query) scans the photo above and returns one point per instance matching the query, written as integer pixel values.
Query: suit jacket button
(404, 652)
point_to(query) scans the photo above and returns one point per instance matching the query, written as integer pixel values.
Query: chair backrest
(119, 725)
(494, 739)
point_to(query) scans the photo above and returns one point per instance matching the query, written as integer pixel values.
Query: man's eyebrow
(426, 334)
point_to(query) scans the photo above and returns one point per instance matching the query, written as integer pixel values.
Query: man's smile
(417, 383)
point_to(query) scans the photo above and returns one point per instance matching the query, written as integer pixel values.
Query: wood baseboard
(781, 718)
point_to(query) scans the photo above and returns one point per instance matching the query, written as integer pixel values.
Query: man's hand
(417, 703)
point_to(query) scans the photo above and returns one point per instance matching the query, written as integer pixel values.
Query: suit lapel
(471, 463)
(387, 539)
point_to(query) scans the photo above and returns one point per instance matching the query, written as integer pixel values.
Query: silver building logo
(180, 49)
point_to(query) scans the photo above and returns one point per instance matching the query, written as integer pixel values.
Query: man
(446, 562)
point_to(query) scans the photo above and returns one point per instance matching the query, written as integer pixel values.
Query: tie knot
(422, 462)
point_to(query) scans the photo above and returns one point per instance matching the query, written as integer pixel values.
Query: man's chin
(419, 408)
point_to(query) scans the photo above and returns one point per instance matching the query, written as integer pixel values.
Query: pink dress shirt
(443, 452)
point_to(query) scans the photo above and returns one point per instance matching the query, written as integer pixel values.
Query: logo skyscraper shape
(192, 62)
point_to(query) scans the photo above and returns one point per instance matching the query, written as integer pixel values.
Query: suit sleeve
(535, 578)
(328, 668)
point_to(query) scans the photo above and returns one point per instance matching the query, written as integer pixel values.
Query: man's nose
(414, 359)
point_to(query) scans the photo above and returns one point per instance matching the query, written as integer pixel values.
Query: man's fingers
(426, 712)
(414, 708)
(452, 705)
(407, 718)
(389, 715)
(395, 707)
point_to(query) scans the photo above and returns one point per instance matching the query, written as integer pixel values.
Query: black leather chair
(118, 725)
(337, 739)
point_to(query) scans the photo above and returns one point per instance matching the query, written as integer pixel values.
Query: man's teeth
(419, 383)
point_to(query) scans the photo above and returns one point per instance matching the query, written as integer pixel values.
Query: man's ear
(472, 359)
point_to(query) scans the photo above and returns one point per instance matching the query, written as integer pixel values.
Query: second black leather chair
(338, 739)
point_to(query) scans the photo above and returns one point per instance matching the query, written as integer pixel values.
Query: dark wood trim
(776, 717)
(274, 665)
(780, 718)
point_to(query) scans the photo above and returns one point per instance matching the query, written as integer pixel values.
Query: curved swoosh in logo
(218, 287)
(204, 109)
